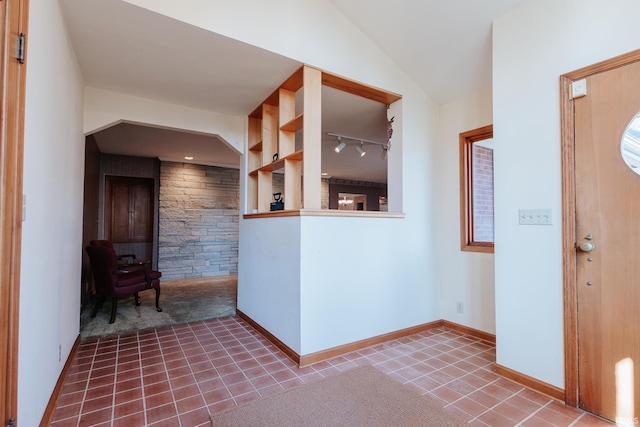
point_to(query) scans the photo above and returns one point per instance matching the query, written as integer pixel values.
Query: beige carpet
(182, 301)
(360, 397)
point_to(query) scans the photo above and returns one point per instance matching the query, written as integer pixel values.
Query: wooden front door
(607, 227)
(129, 215)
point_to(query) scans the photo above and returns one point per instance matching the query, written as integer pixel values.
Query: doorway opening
(171, 197)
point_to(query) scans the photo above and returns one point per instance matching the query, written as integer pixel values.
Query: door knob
(587, 246)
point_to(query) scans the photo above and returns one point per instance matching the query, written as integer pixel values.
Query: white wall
(362, 277)
(466, 277)
(310, 31)
(532, 46)
(103, 108)
(316, 33)
(52, 231)
(270, 288)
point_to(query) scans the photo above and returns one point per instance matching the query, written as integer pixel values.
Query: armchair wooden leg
(135, 296)
(98, 306)
(158, 299)
(114, 309)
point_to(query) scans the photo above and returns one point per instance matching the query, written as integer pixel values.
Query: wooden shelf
(356, 88)
(293, 83)
(294, 124)
(256, 147)
(278, 164)
(298, 155)
(273, 166)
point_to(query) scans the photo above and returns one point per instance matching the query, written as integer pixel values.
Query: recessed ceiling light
(188, 157)
(324, 174)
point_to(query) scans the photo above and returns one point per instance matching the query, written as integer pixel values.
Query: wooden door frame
(14, 16)
(569, 217)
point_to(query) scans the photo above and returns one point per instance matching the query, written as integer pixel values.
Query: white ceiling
(167, 144)
(444, 45)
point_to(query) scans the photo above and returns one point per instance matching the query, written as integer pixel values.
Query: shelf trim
(357, 88)
(256, 147)
(278, 164)
(298, 155)
(325, 213)
(293, 125)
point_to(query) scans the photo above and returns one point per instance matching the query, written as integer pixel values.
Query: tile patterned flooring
(177, 376)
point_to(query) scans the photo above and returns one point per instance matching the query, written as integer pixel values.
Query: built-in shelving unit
(278, 164)
(273, 126)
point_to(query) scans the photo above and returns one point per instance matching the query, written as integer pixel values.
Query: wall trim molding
(288, 351)
(529, 382)
(476, 333)
(47, 417)
(319, 356)
(311, 358)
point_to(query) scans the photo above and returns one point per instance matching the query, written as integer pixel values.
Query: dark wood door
(129, 214)
(608, 231)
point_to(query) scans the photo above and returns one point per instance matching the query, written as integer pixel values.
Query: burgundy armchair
(114, 281)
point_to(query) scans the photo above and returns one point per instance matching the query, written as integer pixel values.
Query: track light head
(384, 153)
(360, 150)
(340, 146)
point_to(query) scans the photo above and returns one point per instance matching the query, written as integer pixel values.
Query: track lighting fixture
(360, 147)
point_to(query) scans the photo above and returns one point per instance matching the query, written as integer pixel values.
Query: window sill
(487, 248)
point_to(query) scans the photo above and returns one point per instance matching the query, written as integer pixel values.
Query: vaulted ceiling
(445, 46)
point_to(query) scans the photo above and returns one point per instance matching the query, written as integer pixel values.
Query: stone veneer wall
(199, 216)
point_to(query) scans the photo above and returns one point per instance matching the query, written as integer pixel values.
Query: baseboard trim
(319, 356)
(476, 333)
(288, 351)
(530, 382)
(47, 417)
(311, 358)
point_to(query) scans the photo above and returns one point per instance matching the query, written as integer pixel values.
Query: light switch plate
(535, 216)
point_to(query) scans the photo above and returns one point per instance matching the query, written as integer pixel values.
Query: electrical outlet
(535, 216)
(459, 307)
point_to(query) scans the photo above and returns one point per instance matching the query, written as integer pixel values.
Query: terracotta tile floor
(177, 376)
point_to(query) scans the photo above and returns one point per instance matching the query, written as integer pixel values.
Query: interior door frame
(14, 18)
(569, 256)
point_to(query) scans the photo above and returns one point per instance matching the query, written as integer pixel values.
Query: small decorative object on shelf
(278, 203)
(275, 157)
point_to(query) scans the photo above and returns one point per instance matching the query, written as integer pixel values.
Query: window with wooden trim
(476, 190)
